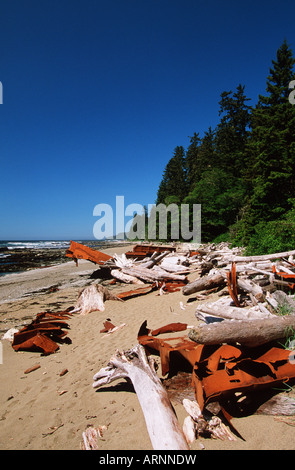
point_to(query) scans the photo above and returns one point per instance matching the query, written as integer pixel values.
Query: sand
(45, 411)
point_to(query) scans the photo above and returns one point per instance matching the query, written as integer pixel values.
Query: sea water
(8, 245)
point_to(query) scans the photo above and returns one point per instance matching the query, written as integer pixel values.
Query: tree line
(243, 171)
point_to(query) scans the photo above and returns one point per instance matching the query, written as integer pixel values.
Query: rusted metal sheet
(136, 292)
(143, 251)
(79, 251)
(222, 370)
(172, 286)
(43, 333)
(232, 285)
(285, 277)
(190, 350)
(228, 370)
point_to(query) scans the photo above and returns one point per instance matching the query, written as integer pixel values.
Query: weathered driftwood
(249, 259)
(162, 424)
(221, 310)
(92, 298)
(201, 426)
(246, 332)
(207, 282)
(154, 259)
(120, 276)
(151, 275)
(249, 286)
(278, 405)
(91, 437)
(164, 274)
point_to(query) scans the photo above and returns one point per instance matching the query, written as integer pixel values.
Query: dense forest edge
(243, 171)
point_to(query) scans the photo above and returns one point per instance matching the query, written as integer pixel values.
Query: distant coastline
(22, 255)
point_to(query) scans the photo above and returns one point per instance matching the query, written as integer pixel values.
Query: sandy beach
(43, 410)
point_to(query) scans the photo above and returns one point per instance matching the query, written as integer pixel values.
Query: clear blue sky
(97, 95)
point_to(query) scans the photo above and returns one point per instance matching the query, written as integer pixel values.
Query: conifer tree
(173, 186)
(270, 171)
(233, 130)
(192, 161)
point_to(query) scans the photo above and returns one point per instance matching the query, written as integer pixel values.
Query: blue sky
(97, 95)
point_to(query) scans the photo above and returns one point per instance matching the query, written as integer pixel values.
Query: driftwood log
(162, 424)
(252, 288)
(204, 283)
(246, 332)
(249, 259)
(92, 298)
(151, 275)
(118, 274)
(218, 309)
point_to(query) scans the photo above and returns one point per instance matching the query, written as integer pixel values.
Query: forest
(243, 171)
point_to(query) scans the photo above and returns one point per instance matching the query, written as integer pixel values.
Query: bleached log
(122, 261)
(207, 282)
(92, 298)
(162, 424)
(164, 274)
(249, 286)
(174, 268)
(246, 332)
(152, 275)
(127, 278)
(232, 313)
(154, 260)
(248, 259)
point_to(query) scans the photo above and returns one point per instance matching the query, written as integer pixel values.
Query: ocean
(21, 255)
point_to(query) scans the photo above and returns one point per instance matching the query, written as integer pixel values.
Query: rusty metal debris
(79, 251)
(136, 292)
(143, 251)
(285, 277)
(43, 334)
(220, 371)
(232, 285)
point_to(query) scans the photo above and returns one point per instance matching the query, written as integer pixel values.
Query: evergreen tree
(270, 169)
(270, 158)
(173, 187)
(192, 161)
(232, 131)
(207, 150)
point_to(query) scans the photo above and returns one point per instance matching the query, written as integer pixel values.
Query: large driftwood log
(118, 274)
(252, 288)
(246, 332)
(272, 256)
(162, 424)
(218, 309)
(92, 298)
(151, 275)
(154, 259)
(204, 283)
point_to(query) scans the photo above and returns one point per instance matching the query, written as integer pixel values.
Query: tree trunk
(249, 259)
(92, 299)
(246, 332)
(204, 283)
(162, 424)
(117, 274)
(150, 275)
(232, 313)
(251, 287)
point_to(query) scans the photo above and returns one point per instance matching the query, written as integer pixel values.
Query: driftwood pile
(255, 288)
(253, 294)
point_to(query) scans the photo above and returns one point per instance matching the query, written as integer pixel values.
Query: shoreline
(44, 410)
(18, 260)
